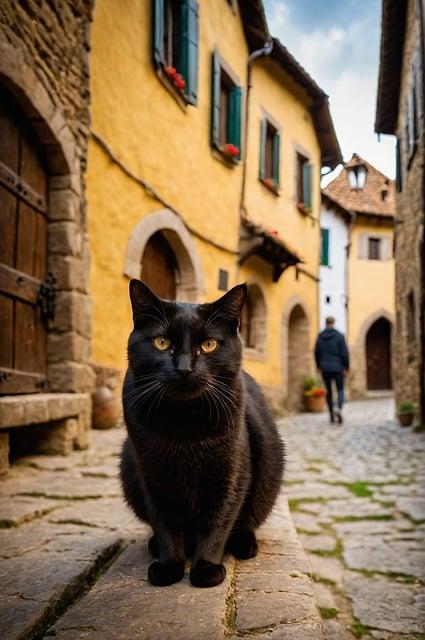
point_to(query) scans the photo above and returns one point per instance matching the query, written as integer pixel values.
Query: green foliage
(358, 629)
(310, 383)
(328, 612)
(360, 489)
(405, 408)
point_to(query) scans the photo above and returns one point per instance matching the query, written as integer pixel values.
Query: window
(304, 186)
(328, 299)
(357, 177)
(253, 327)
(175, 44)
(269, 155)
(223, 280)
(374, 252)
(324, 253)
(226, 111)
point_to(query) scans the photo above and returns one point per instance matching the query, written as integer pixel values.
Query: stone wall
(409, 233)
(44, 53)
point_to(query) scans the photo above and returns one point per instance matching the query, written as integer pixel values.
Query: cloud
(342, 57)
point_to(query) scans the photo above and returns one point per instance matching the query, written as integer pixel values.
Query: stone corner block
(71, 377)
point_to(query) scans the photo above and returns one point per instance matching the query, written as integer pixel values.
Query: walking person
(333, 362)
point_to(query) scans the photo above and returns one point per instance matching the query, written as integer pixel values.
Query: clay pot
(315, 405)
(405, 419)
(106, 408)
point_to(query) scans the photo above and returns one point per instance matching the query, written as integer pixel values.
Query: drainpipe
(353, 218)
(259, 53)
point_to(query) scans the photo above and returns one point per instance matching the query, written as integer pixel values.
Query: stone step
(270, 596)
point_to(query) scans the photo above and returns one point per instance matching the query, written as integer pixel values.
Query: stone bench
(59, 422)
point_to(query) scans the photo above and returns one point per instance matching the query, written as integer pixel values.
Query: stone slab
(412, 507)
(15, 512)
(124, 606)
(386, 605)
(36, 408)
(403, 557)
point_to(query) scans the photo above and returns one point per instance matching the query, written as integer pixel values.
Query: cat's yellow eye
(162, 343)
(209, 345)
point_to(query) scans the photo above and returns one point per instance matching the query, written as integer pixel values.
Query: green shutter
(234, 118)
(276, 158)
(307, 187)
(263, 136)
(324, 257)
(189, 49)
(215, 100)
(158, 31)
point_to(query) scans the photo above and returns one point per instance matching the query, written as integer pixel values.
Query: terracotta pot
(106, 408)
(313, 404)
(405, 419)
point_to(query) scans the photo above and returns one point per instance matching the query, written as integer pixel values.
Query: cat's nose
(183, 365)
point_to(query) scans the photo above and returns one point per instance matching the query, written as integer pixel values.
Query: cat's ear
(232, 302)
(142, 297)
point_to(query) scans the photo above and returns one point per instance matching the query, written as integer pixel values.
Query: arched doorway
(23, 253)
(299, 359)
(159, 267)
(254, 320)
(378, 355)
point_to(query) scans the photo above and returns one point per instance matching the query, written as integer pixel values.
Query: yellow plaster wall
(170, 149)
(167, 146)
(371, 282)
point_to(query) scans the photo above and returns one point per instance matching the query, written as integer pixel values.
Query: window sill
(306, 211)
(223, 157)
(251, 353)
(270, 185)
(172, 89)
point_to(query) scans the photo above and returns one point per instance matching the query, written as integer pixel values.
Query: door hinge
(47, 297)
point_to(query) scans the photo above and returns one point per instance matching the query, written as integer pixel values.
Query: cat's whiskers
(160, 394)
(144, 394)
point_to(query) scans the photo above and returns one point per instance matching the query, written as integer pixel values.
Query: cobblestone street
(357, 496)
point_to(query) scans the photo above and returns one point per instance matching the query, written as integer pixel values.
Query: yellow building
(365, 199)
(183, 193)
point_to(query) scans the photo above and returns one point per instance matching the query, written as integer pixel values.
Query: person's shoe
(331, 418)
(339, 417)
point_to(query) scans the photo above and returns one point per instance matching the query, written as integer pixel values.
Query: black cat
(203, 461)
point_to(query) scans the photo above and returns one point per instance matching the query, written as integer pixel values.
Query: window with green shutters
(324, 252)
(270, 155)
(175, 44)
(304, 172)
(226, 111)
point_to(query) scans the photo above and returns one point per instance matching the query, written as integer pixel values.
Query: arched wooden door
(23, 241)
(378, 355)
(298, 355)
(159, 267)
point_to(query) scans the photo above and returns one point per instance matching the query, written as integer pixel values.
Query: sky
(337, 42)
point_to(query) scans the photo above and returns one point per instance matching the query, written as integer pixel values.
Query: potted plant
(405, 413)
(314, 394)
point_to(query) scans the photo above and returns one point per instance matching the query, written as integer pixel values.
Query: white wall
(333, 277)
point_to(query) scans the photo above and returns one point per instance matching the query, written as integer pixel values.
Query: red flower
(318, 393)
(231, 150)
(170, 71)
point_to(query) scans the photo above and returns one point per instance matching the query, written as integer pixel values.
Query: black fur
(203, 461)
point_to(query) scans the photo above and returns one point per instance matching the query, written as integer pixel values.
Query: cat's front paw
(162, 574)
(243, 545)
(207, 574)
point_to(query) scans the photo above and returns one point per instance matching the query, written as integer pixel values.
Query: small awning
(265, 243)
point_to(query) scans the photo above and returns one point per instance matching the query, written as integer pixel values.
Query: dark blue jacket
(331, 352)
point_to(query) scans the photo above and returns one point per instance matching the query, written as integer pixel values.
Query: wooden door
(159, 267)
(378, 355)
(23, 237)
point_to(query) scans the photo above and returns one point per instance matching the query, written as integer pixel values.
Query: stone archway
(296, 351)
(358, 379)
(190, 282)
(378, 355)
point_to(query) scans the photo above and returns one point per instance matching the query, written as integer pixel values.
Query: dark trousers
(328, 376)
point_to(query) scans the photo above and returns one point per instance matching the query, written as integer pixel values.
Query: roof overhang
(393, 27)
(336, 206)
(255, 240)
(328, 141)
(255, 23)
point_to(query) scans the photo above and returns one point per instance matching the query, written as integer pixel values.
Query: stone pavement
(357, 497)
(73, 564)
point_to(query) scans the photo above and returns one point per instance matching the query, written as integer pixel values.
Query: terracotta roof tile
(376, 198)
